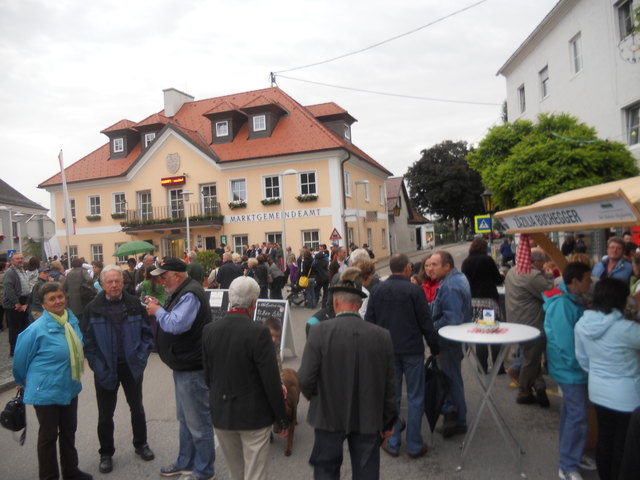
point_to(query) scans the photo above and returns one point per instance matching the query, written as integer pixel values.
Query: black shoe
(525, 399)
(106, 464)
(453, 431)
(543, 400)
(145, 453)
(449, 424)
(80, 476)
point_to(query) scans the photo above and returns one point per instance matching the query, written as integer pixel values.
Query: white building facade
(582, 59)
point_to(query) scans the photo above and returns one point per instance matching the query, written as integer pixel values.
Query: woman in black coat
(483, 275)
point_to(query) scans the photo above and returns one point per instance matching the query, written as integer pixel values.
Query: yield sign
(335, 235)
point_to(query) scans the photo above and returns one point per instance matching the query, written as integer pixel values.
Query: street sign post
(482, 223)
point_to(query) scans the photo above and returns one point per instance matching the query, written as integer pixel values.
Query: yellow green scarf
(76, 355)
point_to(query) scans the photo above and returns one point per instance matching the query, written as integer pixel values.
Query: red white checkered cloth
(523, 255)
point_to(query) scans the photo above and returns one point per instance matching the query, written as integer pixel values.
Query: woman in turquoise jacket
(608, 349)
(48, 363)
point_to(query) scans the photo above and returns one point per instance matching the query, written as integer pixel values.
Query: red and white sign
(335, 235)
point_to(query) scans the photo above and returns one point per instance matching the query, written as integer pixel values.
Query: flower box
(240, 204)
(270, 201)
(307, 198)
(93, 218)
(117, 216)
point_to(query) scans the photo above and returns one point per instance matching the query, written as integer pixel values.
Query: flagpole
(68, 218)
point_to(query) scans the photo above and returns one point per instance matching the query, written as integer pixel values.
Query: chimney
(173, 101)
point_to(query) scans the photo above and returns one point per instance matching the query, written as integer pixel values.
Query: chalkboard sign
(280, 310)
(219, 302)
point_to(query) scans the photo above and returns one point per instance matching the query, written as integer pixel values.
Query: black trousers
(107, 400)
(57, 423)
(326, 456)
(612, 433)
(630, 467)
(17, 322)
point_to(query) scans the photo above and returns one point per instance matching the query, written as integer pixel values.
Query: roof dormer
(122, 138)
(263, 115)
(226, 119)
(334, 117)
(150, 127)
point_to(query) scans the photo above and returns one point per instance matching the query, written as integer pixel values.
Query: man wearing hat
(347, 374)
(181, 320)
(35, 307)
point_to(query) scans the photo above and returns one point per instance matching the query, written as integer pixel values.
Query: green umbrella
(131, 248)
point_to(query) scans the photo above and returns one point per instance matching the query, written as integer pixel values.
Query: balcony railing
(209, 213)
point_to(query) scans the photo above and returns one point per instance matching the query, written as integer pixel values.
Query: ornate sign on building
(173, 162)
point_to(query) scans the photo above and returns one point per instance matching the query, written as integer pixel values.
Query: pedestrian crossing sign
(482, 223)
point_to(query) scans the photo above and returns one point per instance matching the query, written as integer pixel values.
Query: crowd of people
(366, 346)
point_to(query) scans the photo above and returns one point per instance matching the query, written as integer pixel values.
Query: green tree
(442, 183)
(523, 162)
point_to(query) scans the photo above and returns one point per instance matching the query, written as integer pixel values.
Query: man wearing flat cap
(185, 313)
(347, 374)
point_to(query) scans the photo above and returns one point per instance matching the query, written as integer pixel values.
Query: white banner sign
(594, 213)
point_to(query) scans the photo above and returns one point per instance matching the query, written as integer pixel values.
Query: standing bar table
(507, 334)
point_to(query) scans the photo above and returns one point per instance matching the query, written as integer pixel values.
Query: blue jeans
(197, 448)
(573, 425)
(412, 367)
(310, 298)
(326, 456)
(450, 362)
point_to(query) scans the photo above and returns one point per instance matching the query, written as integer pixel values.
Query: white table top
(508, 333)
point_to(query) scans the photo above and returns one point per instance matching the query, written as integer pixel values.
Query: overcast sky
(71, 68)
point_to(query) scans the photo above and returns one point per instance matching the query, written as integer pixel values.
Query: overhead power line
(389, 94)
(384, 41)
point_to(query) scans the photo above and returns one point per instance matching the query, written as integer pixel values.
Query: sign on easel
(280, 310)
(218, 302)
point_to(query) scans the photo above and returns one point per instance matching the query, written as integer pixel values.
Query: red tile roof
(154, 119)
(324, 109)
(297, 132)
(222, 106)
(121, 125)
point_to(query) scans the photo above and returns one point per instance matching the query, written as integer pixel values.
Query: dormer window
(347, 131)
(259, 123)
(118, 145)
(222, 129)
(148, 138)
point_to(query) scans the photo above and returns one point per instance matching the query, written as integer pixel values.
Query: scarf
(76, 355)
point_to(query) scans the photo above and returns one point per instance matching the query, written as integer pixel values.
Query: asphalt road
(489, 456)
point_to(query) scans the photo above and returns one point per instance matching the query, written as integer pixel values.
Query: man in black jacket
(185, 313)
(401, 307)
(347, 374)
(228, 271)
(245, 393)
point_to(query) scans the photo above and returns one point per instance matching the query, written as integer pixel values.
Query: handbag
(14, 415)
(303, 281)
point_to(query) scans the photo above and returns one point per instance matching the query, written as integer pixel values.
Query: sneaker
(562, 475)
(587, 463)
(172, 470)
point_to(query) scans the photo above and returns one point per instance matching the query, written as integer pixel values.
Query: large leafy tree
(523, 162)
(441, 182)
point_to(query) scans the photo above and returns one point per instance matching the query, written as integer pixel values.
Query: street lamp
(185, 199)
(360, 182)
(289, 171)
(490, 208)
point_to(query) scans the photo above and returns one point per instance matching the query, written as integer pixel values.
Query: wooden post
(550, 249)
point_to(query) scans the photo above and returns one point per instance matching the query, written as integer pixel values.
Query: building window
(275, 237)
(239, 241)
(383, 239)
(366, 192)
(222, 129)
(176, 203)
(94, 205)
(544, 82)
(72, 206)
(259, 123)
(347, 183)
(369, 242)
(96, 253)
(350, 238)
(311, 239)
(625, 20)
(272, 187)
(575, 52)
(308, 183)
(522, 98)
(209, 199)
(118, 145)
(239, 190)
(123, 258)
(148, 138)
(347, 132)
(119, 203)
(381, 194)
(73, 251)
(145, 211)
(633, 124)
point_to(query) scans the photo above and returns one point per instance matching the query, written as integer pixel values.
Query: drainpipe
(344, 196)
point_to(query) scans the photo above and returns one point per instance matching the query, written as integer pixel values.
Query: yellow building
(256, 164)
